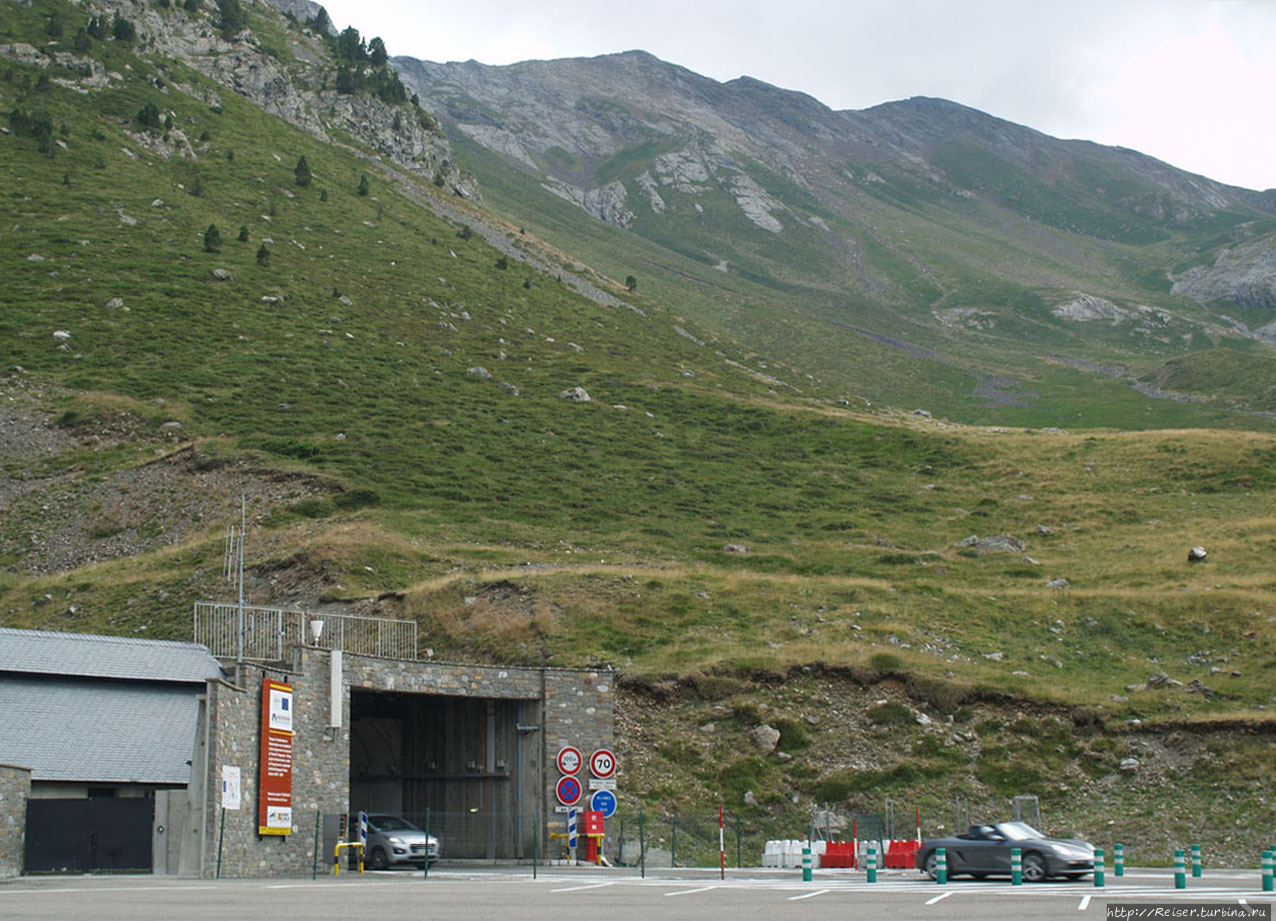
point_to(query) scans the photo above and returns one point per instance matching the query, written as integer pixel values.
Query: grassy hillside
(386, 390)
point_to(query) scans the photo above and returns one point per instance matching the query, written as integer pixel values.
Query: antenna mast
(233, 565)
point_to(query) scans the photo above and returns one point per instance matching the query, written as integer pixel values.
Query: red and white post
(722, 845)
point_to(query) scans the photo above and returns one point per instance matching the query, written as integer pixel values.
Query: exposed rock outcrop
(1245, 274)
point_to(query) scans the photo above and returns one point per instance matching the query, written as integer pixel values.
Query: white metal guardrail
(266, 632)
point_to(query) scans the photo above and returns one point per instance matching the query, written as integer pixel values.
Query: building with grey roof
(99, 712)
(97, 735)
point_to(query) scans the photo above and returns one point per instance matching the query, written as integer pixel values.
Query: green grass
(612, 518)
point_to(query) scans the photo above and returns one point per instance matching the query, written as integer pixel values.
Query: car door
(982, 852)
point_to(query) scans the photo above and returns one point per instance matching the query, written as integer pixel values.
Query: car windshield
(391, 823)
(1019, 831)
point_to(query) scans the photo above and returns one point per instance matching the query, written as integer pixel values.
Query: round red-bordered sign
(602, 763)
(568, 790)
(569, 760)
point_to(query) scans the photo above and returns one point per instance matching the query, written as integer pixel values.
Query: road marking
(579, 888)
(124, 890)
(809, 895)
(1085, 903)
(693, 891)
(938, 898)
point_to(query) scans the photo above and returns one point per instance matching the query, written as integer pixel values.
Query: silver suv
(393, 840)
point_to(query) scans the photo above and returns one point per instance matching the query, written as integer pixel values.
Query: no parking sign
(568, 790)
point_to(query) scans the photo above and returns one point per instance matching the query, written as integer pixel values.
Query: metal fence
(633, 844)
(262, 634)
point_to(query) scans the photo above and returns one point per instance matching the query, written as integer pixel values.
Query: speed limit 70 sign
(602, 763)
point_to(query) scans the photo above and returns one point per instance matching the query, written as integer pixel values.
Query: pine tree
(243, 233)
(123, 30)
(212, 239)
(231, 18)
(302, 172)
(263, 255)
(364, 188)
(631, 284)
(377, 54)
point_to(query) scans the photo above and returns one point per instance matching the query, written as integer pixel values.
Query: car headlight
(1074, 851)
(393, 840)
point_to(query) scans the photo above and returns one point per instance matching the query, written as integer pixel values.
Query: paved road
(511, 895)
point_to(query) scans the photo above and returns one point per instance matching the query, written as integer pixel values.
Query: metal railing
(266, 632)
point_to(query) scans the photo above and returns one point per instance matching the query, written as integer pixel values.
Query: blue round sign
(603, 801)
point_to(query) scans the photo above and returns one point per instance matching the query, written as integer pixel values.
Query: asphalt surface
(557, 894)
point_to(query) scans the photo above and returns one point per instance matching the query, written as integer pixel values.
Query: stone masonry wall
(15, 789)
(577, 710)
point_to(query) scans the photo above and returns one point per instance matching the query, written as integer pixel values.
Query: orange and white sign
(274, 796)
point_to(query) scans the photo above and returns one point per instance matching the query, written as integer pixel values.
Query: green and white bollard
(1016, 867)
(1196, 861)
(1180, 874)
(872, 863)
(1267, 871)
(1118, 861)
(941, 866)
(806, 864)
(1098, 867)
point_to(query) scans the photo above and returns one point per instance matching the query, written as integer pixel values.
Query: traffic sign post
(602, 763)
(568, 790)
(569, 760)
(572, 839)
(603, 801)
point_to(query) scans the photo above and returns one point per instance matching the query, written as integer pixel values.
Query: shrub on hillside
(212, 239)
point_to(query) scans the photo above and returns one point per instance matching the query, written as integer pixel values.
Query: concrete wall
(574, 707)
(15, 788)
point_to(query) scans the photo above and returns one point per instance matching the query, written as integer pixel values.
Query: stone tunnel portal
(469, 766)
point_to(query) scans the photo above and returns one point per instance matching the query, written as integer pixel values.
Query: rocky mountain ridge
(594, 108)
(293, 82)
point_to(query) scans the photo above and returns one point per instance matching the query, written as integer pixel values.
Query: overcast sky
(1188, 81)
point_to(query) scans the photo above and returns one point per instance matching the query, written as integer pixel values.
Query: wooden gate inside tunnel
(467, 766)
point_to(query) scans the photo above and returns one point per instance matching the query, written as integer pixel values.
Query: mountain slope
(922, 223)
(393, 382)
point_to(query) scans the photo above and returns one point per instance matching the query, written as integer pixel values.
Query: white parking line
(938, 898)
(809, 895)
(124, 890)
(1085, 903)
(692, 891)
(579, 888)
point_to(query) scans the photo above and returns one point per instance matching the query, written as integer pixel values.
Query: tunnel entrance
(468, 766)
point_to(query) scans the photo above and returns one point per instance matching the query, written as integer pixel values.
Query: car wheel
(1034, 868)
(931, 866)
(377, 859)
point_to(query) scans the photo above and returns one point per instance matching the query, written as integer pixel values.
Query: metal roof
(80, 654)
(100, 731)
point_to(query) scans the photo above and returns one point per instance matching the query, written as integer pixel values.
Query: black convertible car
(985, 851)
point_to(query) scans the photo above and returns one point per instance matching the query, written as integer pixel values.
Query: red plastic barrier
(838, 855)
(901, 855)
